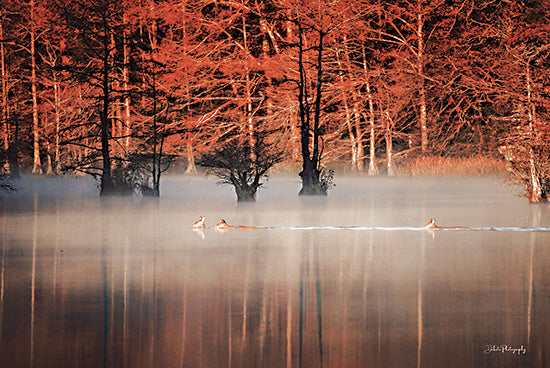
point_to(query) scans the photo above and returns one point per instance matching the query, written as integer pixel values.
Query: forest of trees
(121, 89)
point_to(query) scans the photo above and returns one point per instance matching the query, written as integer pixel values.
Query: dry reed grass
(415, 166)
(453, 166)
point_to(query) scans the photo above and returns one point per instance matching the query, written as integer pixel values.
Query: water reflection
(536, 219)
(132, 286)
(419, 300)
(33, 272)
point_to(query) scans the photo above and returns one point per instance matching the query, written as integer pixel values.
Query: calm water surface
(86, 282)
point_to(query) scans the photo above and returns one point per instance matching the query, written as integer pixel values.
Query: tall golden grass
(453, 166)
(417, 166)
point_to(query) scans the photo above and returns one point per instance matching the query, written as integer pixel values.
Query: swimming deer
(432, 225)
(200, 223)
(222, 225)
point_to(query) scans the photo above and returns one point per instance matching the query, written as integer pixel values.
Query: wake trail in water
(431, 226)
(396, 228)
(404, 228)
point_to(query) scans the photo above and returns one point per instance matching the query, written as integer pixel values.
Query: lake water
(86, 282)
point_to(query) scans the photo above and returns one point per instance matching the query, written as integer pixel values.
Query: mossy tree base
(246, 193)
(313, 182)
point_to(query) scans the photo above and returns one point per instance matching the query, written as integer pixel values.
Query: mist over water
(126, 282)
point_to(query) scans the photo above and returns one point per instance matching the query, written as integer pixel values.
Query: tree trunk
(420, 56)
(13, 150)
(159, 162)
(156, 163)
(191, 168)
(157, 142)
(356, 116)
(423, 121)
(358, 138)
(316, 156)
(244, 191)
(389, 145)
(535, 193)
(245, 194)
(107, 185)
(36, 168)
(116, 128)
(352, 139)
(348, 123)
(310, 174)
(248, 92)
(49, 166)
(125, 80)
(304, 115)
(5, 114)
(57, 108)
(311, 185)
(373, 169)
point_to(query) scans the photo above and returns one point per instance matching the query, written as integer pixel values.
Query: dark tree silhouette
(6, 184)
(313, 29)
(311, 170)
(96, 25)
(243, 162)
